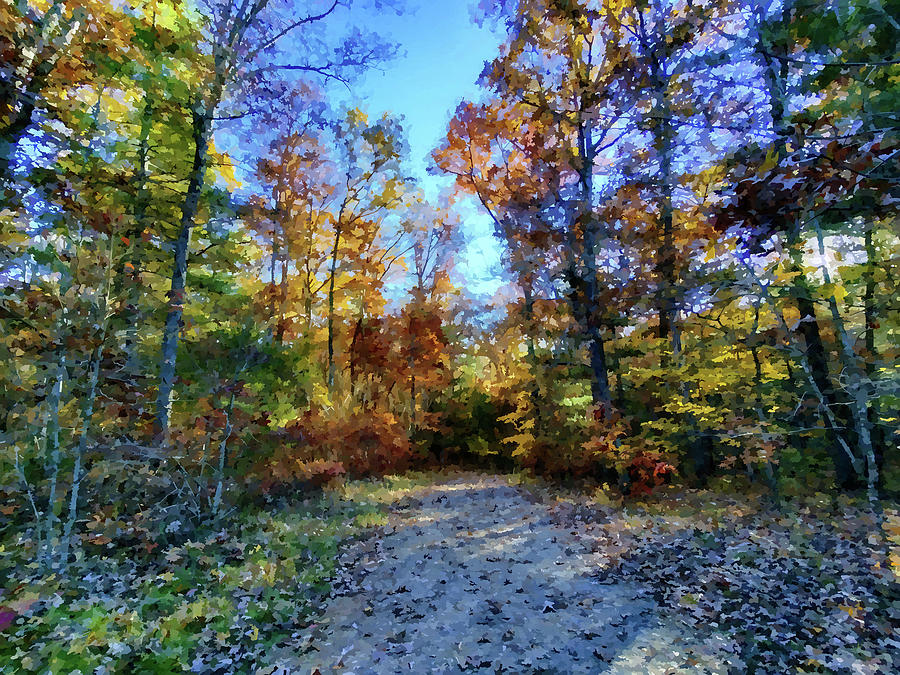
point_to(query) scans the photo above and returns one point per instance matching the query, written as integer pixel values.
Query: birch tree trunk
(47, 529)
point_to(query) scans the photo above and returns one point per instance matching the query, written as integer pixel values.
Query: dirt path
(474, 576)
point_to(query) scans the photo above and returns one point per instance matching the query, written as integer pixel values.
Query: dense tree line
(697, 202)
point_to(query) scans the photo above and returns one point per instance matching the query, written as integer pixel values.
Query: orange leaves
(387, 355)
(646, 472)
(329, 444)
(370, 348)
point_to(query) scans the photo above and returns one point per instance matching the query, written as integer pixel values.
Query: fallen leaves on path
(474, 575)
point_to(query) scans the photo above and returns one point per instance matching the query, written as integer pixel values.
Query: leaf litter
(476, 575)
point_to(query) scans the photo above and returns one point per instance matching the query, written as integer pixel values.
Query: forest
(237, 338)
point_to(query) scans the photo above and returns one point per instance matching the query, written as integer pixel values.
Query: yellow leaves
(770, 162)
(167, 15)
(42, 5)
(785, 275)
(698, 411)
(836, 291)
(357, 118)
(226, 171)
(393, 190)
(853, 610)
(523, 443)
(791, 317)
(224, 167)
(119, 104)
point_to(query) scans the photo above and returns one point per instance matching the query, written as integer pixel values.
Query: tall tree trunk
(665, 265)
(857, 385)
(142, 203)
(334, 257)
(411, 362)
(879, 440)
(52, 454)
(600, 392)
(528, 291)
(223, 453)
(354, 341)
(658, 52)
(282, 300)
(770, 465)
(776, 74)
(87, 409)
(534, 392)
(202, 126)
(87, 415)
(819, 371)
(273, 263)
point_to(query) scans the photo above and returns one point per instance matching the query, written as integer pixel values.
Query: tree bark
(87, 415)
(334, 256)
(26, 100)
(52, 453)
(202, 124)
(600, 392)
(142, 203)
(857, 385)
(223, 454)
(879, 440)
(666, 278)
(776, 73)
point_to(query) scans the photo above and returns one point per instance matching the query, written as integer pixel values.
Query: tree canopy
(214, 273)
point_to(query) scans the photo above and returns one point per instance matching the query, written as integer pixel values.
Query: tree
(369, 160)
(243, 39)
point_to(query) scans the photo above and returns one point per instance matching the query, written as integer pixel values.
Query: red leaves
(321, 446)
(646, 472)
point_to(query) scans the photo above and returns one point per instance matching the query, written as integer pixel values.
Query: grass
(221, 601)
(799, 588)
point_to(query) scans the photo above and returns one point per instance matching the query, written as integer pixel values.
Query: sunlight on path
(474, 577)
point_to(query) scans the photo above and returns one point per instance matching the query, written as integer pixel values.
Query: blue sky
(443, 53)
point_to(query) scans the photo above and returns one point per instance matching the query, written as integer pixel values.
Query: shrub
(320, 447)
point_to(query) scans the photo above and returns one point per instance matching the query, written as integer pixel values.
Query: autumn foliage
(218, 285)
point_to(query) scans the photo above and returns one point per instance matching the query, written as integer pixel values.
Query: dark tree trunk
(817, 358)
(172, 329)
(600, 392)
(879, 438)
(334, 256)
(776, 74)
(24, 102)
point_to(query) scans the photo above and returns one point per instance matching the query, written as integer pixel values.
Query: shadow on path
(474, 576)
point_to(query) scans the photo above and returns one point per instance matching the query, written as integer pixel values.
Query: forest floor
(467, 572)
(473, 573)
